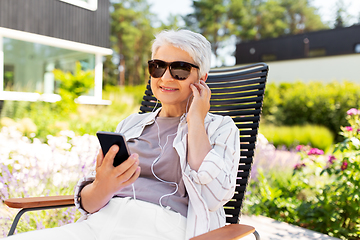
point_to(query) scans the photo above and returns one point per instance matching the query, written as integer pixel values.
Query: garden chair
(237, 92)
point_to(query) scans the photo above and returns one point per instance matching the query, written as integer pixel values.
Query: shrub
(87, 119)
(291, 136)
(322, 192)
(312, 103)
(73, 86)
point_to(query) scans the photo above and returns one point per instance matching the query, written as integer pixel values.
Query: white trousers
(121, 218)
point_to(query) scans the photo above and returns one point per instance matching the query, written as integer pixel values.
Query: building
(37, 36)
(325, 55)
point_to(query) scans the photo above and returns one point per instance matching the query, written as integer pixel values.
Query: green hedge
(291, 136)
(310, 103)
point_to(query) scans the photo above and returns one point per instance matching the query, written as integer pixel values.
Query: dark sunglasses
(178, 70)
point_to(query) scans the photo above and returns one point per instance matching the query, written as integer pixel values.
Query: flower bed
(321, 192)
(30, 168)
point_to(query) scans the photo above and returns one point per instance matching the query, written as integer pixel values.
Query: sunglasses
(178, 70)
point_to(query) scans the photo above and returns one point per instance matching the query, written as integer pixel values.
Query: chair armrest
(228, 232)
(34, 202)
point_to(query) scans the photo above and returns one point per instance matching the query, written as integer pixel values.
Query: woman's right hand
(109, 179)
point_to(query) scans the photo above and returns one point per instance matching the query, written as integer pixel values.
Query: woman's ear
(204, 77)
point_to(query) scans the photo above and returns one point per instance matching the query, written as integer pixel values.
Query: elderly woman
(184, 160)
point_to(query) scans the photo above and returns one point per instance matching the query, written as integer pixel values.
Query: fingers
(130, 174)
(110, 155)
(200, 89)
(99, 158)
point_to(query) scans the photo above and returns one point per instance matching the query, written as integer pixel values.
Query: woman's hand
(109, 179)
(198, 141)
(201, 102)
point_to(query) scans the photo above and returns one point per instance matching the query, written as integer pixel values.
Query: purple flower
(315, 151)
(353, 111)
(344, 165)
(348, 128)
(299, 147)
(299, 166)
(331, 159)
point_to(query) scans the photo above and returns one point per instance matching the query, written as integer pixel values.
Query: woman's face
(167, 89)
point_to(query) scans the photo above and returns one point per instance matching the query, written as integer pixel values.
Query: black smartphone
(107, 139)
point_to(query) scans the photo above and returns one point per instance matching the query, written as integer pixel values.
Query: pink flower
(299, 147)
(353, 111)
(348, 128)
(344, 165)
(331, 159)
(315, 151)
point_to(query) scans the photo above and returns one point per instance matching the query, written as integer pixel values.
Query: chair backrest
(237, 92)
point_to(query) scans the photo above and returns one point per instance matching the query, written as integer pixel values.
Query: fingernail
(135, 156)
(114, 148)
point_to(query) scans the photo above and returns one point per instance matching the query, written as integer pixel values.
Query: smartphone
(107, 139)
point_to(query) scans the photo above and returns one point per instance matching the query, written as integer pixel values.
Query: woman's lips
(167, 89)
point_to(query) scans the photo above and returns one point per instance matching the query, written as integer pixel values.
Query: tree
(341, 15)
(301, 17)
(259, 19)
(131, 34)
(210, 19)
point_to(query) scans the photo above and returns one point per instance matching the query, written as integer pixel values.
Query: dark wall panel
(58, 19)
(333, 42)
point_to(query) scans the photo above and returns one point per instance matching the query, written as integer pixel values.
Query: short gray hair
(195, 44)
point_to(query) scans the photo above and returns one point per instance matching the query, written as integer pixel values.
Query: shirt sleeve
(80, 185)
(216, 177)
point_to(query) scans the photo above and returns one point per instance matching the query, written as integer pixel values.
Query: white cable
(157, 159)
(133, 188)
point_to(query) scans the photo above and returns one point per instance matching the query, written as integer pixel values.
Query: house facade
(38, 36)
(326, 55)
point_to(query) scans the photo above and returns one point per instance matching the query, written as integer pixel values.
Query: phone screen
(107, 139)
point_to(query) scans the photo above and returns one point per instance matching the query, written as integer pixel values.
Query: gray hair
(195, 44)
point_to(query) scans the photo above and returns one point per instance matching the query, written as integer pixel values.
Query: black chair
(237, 92)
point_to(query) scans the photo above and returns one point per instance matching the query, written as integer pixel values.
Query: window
(268, 57)
(357, 48)
(8, 77)
(28, 66)
(318, 52)
(88, 4)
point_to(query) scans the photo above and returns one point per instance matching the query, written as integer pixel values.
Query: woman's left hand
(198, 142)
(201, 102)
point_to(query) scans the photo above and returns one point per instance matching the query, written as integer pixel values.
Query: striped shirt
(212, 185)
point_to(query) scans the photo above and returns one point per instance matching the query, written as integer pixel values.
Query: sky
(326, 9)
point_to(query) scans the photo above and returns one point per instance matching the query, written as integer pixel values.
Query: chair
(237, 92)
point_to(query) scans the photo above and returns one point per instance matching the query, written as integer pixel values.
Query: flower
(315, 151)
(353, 111)
(344, 165)
(299, 147)
(348, 128)
(331, 159)
(298, 166)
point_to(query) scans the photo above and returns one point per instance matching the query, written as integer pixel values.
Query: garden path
(269, 229)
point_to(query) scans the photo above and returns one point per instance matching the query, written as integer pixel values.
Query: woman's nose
(167, 76)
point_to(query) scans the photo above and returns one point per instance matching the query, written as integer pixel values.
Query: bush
(85, 119)
(320, 193)
(313, 103)
(291, 136)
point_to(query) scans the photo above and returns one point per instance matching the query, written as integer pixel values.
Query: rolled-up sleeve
(217, 174)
